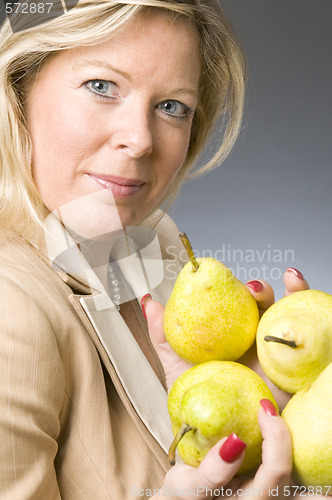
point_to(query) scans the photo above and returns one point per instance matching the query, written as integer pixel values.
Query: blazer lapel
(138, 380)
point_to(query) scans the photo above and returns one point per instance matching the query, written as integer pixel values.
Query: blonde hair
(23, 52)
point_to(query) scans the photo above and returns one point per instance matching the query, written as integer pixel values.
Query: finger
(276, 466)
(154, 315)
(173, 365)
(223, 460)
(263, 294)
(214, 471)
(294, 281)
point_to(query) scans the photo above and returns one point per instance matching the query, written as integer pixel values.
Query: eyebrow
(104, 64)
(99, 64)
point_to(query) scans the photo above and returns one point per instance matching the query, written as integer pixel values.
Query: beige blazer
(82, 413)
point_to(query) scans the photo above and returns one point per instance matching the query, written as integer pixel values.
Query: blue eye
(103, 89)
(174, 108)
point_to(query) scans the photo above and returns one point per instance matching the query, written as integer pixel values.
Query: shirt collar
(136, 253)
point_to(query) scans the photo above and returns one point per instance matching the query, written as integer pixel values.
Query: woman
(104, 111)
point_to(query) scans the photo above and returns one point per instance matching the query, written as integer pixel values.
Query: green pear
(308, 415)
(294, 339)
(210, 401)
(210, 314)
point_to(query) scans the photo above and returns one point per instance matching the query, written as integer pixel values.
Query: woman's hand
(214, 478)
(272, 478)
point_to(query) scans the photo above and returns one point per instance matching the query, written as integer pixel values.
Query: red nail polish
(144, 300)
(232, 448)
(296, 272)
(255, 285)
(269, 407)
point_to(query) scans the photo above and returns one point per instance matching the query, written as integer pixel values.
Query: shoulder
(26, 329)
(18, 257)
(30, 290)
(22, 265)
(24, 279)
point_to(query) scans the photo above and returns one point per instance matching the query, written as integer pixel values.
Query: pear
(308, 415)
(210, 314)
(294, 339)
(210, 401)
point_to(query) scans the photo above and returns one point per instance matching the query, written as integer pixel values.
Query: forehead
(159, 39)
(158, 23)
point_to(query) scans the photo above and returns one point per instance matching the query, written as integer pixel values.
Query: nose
(133, 134)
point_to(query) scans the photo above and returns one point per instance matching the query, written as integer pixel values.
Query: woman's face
(110, 124)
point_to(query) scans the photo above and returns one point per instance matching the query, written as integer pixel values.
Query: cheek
(175, 150)
(59, 142)
(58, 134)
(60, 127)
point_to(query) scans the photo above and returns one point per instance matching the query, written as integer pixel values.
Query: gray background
(269, 205)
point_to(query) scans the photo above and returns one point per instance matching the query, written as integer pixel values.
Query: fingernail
(296, 272)
(144, 301)
(232, 448)
(256, 286)
(269, 407)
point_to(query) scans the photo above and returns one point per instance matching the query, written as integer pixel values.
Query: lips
(120, 187)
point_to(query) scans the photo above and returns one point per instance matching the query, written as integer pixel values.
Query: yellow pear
(210, 401)
(210, 314)
(294, 339)
(308, 415)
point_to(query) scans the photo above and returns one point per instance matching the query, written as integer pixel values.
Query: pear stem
(171, 453)
(187, 245)
(278, 340)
